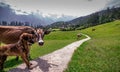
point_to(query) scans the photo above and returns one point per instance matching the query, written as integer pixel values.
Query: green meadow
(101, 53)
(54, 41)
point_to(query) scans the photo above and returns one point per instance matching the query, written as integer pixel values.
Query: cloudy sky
(67, 7)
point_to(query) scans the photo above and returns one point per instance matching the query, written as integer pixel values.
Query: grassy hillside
(101, 53)
(53, 41)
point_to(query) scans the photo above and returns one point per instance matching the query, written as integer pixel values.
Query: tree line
(18, 23)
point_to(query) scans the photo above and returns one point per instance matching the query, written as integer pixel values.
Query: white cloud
(67, 7)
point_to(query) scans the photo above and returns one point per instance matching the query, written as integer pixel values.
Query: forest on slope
(100, 17)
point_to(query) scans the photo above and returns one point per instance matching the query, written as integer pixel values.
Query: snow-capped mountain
(37, 18)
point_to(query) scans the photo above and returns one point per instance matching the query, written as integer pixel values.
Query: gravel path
(54, 62)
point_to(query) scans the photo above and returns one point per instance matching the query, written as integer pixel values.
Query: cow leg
(29, 58)
(2, 60)
(17, 57)
(25, 59)
(29, 54)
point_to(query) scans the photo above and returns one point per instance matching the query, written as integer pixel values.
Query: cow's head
(41, 33)
(27, 37)
(32, 31)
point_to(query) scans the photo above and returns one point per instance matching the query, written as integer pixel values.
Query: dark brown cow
(93, 29)
(21, 48)
(11, 34)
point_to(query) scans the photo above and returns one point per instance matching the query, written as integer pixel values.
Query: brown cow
(78, 36)
(21, 48)
(11, 34)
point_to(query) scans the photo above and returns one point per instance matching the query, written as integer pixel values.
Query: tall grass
(101, 53)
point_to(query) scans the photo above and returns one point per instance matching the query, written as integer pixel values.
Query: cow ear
(25, 37)
(47, 32)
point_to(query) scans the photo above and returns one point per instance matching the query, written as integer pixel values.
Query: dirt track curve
(54, 62)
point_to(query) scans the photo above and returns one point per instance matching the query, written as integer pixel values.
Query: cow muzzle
(41, 42)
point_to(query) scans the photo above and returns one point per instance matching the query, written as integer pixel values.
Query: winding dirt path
(56, 61)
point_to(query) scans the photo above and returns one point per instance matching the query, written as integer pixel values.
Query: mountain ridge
(100, 17)
(8, 14)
